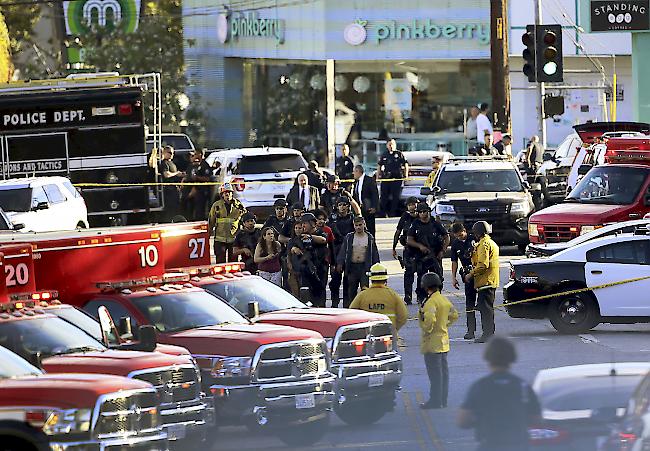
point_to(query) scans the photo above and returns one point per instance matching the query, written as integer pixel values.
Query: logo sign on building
(233, 26)
(620, 15)
(361, 31)
(80, 15)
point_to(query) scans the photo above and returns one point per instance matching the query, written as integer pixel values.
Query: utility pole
(541, 89)
(500, 65)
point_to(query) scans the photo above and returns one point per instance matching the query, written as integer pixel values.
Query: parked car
(582, 403)
(43, 204)
(419, 169)
(259, 175)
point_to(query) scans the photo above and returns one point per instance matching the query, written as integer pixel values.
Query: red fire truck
(29, 329)
(259, 374)
(73, 411)
(362, 344)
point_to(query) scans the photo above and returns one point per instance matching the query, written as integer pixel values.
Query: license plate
(305, 401)
(176, 432)
(376, 380)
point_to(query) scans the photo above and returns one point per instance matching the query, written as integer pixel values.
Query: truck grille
(127, 413)
(364, 341)
(283, 362)
(484, 211)
(174, 384)
(558, 233)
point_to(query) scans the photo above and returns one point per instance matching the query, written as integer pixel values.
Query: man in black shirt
(170, 174)
(392, 165)
(307, 252)
(461, 251)
(500, 407)
(341, 222)
(286, 233)
(196, 197)
(332, 193)
(428, 239)
(246, 241)
(408, 261)
(345, 166)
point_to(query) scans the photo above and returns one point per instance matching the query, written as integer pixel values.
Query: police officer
(341, 223)
(345, 165)
(332, 193)
(307, 252)
(246, 241)
(379, 298)
(435, 316)
(392, 165)
(485, 275)
(408, 261)
(462, 249)
(224, 218)
(297, 210)
(500, 406)
(427, 239)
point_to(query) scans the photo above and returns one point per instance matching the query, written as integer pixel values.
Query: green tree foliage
(20, 21)
(6, 67)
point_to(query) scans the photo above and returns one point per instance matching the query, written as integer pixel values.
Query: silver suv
(259, 175)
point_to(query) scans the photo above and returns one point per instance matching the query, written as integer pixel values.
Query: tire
(304, 434)
(360, 414)
(574, 314)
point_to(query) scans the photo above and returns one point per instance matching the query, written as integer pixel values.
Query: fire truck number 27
(197, 248)
(16, 275)
(148, 256)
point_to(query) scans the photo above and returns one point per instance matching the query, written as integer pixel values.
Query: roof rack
(476, 159)
(90, 80)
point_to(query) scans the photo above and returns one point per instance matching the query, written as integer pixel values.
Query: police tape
(256, 182)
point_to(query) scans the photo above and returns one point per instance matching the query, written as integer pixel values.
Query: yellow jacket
(225, 224)
(428, 183)
(485, 263)
(436, 315)
(379, 298)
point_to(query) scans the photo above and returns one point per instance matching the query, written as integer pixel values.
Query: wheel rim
(573, 311)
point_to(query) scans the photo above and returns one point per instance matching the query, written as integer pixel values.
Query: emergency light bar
(146, 282)
(39, 296)
(221, 268)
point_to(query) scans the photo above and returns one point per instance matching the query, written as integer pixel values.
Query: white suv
(43, 204)
(259, 175)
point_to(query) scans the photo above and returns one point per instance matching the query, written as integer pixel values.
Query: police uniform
(403, 227)
(341, 226)
(392, 167)
(248, 240)
(224, 220)
(345, 168)
(328, 200)
(171, 192)
(195, 204)
(461, 251)
(309, 267)
(503, 406)
(431, 235)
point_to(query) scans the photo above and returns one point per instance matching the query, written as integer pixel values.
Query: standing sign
(620, 15)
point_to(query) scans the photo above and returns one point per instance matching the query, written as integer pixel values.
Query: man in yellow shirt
(485, 273)
(436, 162)
(436, 315)
(379, 298)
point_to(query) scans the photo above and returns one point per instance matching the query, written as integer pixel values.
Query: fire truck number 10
(197, 246)
(148, 256)
(17, 275)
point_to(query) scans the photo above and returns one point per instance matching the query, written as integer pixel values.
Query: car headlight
(587, 228)
(445, 209)
(231, 366)
(532, 229)
(68, 422)
(522, 208)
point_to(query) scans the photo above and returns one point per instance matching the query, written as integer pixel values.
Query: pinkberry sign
(358, 32)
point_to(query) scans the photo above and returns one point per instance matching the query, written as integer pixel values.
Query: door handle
(596, 271)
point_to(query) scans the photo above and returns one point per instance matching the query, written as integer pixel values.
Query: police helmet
(481, 227)
(412, 200)
(343, 200)
(500, 352)
(422, 206)
(280, 203)
(226, 187)
(248, 216)
(378, 273)
(308, 217)
(431, 280)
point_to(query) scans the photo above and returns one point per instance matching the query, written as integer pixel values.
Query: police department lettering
(37, 118)
(33, 166)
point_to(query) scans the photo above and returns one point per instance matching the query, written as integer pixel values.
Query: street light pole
(500, 65)
(541, 89)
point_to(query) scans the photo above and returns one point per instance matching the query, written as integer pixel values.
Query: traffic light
(528, 39)
(548, 51)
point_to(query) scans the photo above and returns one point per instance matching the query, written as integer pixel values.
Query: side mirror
(526, 185)
(253, 310)
(110, 334)
(425, 191)
(42, 206)
(35, 359)
(547, 156)
(584, 168)
(148, 338)
(19, 226)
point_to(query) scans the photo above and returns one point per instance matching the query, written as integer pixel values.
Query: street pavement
(410, 428)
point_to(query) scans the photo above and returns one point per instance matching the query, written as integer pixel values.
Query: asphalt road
(409, 428)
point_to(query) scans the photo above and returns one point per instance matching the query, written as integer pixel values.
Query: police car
(603, 280)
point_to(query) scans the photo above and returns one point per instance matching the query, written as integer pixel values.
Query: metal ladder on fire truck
(150, 83)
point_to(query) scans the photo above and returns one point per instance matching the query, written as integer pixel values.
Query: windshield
(261, 164)
(588, 393)
(47, 336)
(173, 312)
(79, 319)
(609, 185)
(239, 293)
(13, 366)
(479, 181)
(19, 199)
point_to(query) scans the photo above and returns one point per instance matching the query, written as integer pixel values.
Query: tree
(6, 67)
(156, 46)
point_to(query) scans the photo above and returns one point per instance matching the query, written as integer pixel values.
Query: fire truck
(30, 329)
(92, 130)
(362, 344)
(73, 411)
(259, 374)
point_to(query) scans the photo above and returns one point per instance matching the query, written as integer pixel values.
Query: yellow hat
(378, 273)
